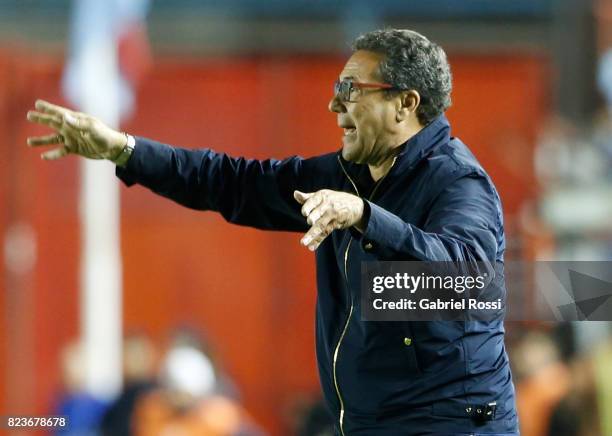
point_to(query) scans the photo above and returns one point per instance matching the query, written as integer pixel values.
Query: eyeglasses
(344, 89)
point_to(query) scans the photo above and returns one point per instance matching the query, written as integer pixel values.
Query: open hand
(75, 133)
(326, 211)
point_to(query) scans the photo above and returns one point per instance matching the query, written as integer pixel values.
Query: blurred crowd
(573, 165)
(562, 389)
(180, 391)
(563, 372)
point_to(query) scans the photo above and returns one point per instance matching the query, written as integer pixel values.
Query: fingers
(313, 215)
(52, 121)
(56, 153)
(301, 197)
(55, 117)
(317, 205)
(326, 211)
(52, 109)
(312, 201)
(319, 214)
(320, 230)
(37, 141)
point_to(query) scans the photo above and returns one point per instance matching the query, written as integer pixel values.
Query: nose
(335, 105)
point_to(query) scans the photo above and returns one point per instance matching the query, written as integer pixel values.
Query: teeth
(349, 130)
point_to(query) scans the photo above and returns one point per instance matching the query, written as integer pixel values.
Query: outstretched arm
(257, 193)
(248, 192)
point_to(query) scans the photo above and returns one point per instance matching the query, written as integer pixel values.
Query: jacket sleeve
(464, 224)
(245, 191)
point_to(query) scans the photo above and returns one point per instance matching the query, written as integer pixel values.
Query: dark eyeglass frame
(344, 88)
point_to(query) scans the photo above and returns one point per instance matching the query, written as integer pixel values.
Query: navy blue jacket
(436, 204)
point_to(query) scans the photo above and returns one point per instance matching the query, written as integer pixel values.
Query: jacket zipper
(346, 324)
(348, 319)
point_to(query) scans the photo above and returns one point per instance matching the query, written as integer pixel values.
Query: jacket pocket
(391, 351)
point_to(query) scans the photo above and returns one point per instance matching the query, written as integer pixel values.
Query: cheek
(388, 118)
(367, 119)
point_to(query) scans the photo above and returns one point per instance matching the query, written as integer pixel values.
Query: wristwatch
(127, 151)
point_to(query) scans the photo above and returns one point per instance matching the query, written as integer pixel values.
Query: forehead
(362, 65)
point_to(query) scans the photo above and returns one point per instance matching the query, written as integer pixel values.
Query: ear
(407, 104)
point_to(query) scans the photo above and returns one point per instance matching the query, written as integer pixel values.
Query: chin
(352, 156)
(346, 155)
(350, 152)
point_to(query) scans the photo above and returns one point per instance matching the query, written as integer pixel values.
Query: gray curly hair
(411, 61)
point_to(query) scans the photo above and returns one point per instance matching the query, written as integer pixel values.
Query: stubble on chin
(352, 152)
(350, 155)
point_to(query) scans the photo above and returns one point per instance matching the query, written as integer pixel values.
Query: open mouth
(349, 130)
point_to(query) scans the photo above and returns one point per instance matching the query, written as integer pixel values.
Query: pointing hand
(326, 211)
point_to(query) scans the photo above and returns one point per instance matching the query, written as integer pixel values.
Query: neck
(380, 170)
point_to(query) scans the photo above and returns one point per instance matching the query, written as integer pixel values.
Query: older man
(400, 189)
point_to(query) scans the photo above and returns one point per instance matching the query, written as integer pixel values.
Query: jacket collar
(416, 148)
(413, 150)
